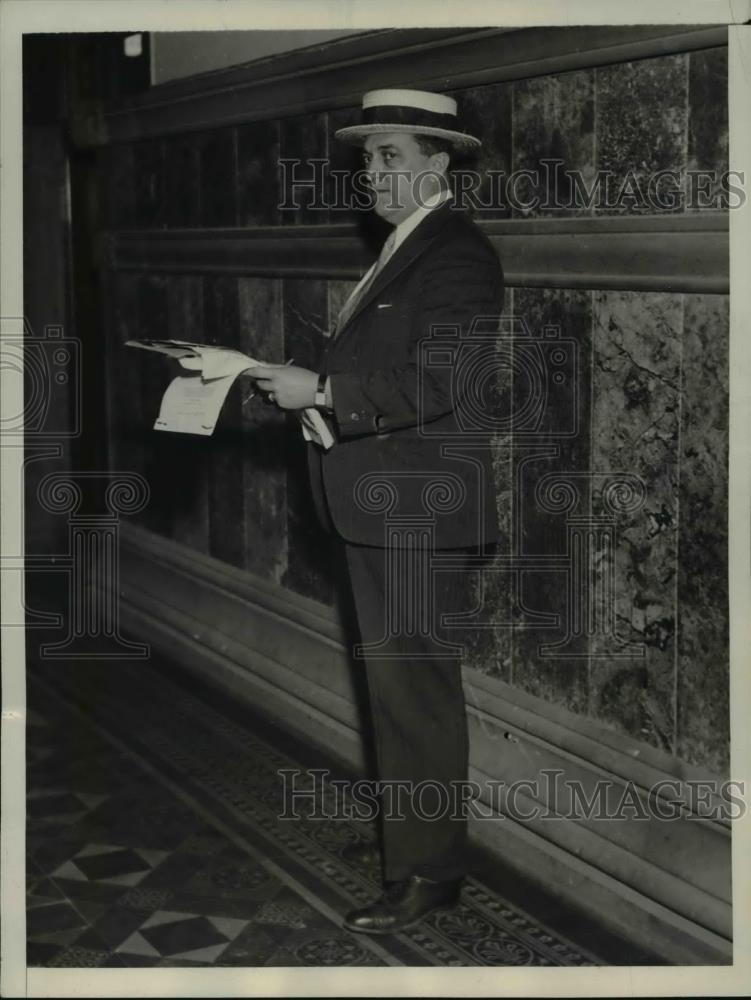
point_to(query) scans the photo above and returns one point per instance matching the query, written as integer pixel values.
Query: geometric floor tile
(54, 923)
(203, 844)
(42, 890)
(78, 958)
(61, 804)
(91, 909)
(145, 899)
(183, 936)
(246, 877)
(282, 915)
(110, 864)
(330, 952)
(147, 878)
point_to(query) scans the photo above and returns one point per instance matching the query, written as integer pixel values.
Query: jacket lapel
(414, 245)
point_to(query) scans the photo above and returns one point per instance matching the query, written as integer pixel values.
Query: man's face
(402, 175)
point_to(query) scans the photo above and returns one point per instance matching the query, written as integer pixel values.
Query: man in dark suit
(407, 477)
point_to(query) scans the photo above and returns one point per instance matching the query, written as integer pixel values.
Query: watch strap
(320, 396)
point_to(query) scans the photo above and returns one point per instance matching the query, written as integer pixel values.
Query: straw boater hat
(416, 111)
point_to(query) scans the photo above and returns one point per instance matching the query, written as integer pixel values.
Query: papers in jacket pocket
(315, 428)
(192, 403)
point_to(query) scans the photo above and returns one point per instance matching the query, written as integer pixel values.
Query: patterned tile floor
(153, 839)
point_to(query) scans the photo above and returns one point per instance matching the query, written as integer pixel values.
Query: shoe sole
(404, 927)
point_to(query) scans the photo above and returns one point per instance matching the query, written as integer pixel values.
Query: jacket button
(354, 416)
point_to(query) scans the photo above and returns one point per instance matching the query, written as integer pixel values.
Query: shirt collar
(408, 225)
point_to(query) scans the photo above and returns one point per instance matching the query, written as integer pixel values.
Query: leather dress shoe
(362, 852)
(402, 905)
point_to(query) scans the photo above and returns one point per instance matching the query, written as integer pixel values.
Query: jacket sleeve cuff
(354, 413)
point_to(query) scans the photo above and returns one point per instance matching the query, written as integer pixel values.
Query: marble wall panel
(635, 431)
(310, 567)
(553, 120)
(258, 174)
(261, 332)
(191, 454)
(220, 311)
(265, 433)
(708, 109)
(702, 666)
(135, 440)
(124, 375)
(218, 177)
(489, 650)
(116, 180)
(149, 184)
(226, 522)
(345, 161)
(190, 464)
(502, 439)
(227, 539)
(551, 438)
(306, 320)
(486, 113)
(304, 139)
(155, 375)
(186, 318)
(338, 293)
(183, 192)
(707, 127)
(641, 128)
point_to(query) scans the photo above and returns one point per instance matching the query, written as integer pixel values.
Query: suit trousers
(417, 706)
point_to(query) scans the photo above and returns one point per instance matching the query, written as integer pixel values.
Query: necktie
(361, 290)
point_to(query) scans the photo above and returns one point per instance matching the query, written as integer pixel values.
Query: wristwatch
(320, 396)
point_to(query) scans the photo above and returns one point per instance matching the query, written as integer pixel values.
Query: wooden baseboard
(665, 884)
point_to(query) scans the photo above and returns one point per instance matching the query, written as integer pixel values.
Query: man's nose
(374, 171)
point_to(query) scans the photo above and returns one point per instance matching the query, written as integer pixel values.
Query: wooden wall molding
(681, 253)
(334, 75)
(667, 887)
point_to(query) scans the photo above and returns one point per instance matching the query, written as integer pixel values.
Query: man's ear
(439, 162)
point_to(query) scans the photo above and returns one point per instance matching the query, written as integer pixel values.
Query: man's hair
(431, 144)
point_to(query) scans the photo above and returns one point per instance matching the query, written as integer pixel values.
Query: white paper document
(192, 403)
(212, 362)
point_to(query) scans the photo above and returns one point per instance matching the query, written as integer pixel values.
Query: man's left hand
(290, 387)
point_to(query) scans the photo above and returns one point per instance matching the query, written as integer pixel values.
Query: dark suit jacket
(399, 409)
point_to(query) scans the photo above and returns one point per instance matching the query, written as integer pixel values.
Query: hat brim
(356, 134)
